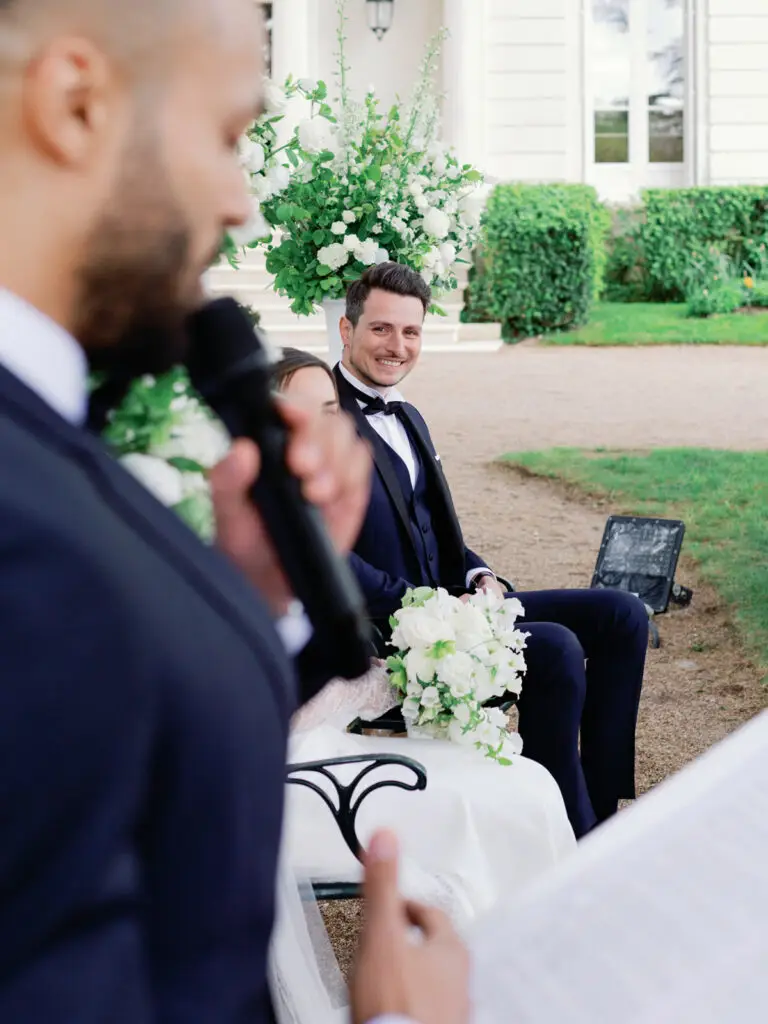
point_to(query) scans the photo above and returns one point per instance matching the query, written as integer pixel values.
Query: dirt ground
(699, 685)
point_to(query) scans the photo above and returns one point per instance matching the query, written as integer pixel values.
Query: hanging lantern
(380, 14)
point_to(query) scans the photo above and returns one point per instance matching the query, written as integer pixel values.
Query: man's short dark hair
(387, 277)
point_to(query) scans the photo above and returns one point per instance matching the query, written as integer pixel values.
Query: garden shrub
(542, 258)
(758, 295)
(682, 225)
(625, 276)
(725, 297)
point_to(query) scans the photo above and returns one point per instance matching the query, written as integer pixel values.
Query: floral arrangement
(452, 657)
(168, 439)
(351, 187)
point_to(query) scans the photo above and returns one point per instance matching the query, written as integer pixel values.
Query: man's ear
(66, 100)
(345, 329)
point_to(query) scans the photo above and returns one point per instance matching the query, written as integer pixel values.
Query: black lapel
(381, 451)
(452, 535)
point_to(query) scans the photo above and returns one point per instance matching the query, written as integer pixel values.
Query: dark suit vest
(418, 501)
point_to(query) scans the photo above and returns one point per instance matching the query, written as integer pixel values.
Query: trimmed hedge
(542, 259)
(681, 231)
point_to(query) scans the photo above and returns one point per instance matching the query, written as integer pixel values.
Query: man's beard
(131, 307)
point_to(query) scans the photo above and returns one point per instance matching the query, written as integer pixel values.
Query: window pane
(610, 59)
(666, 25)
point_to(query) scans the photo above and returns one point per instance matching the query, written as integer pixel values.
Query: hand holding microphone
(292, 494)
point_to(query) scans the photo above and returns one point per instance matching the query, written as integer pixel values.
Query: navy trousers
(578, 707)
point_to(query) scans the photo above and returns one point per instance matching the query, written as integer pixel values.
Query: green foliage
(144, 419)
(758, 296)
(625, 279)
(685, 226)
(662, 323)
(724, 297)
(542, 259)
(720, 495)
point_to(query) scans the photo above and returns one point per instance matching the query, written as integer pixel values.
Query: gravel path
(698, 686)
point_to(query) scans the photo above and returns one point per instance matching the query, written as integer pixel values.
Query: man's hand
(426, 981)
(491, 585)
(334, 467)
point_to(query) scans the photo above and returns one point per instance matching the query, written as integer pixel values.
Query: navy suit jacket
(384, 559)
(144, 708)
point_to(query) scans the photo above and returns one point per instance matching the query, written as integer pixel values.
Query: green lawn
(656, 323)
(721, 496)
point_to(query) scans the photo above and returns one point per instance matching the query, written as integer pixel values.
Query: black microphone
(229, 366)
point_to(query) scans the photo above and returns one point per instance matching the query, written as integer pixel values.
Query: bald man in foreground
(146, 682)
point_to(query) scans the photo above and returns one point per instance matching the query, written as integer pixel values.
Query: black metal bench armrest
(345, 814)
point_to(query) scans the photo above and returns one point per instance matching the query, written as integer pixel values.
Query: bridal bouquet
(168, 439)
(351, 187)
(453, 656)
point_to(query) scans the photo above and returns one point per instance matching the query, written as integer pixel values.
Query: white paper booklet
(660, 917)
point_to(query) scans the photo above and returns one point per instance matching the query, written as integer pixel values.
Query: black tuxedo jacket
(144, 707)
(385, 560)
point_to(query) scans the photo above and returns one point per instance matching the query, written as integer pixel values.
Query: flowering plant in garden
(452, 657)
(167, 437)
(352, 187)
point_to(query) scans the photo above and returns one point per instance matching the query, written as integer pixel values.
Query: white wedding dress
(478, 832)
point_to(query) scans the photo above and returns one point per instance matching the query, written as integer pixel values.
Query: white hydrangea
(338, 228)
(279, 177)
(275, 100)
(348, 217)
(314, 134)
(333, 256)
(366, 252)
(382, 256)
(448, 253)
(352, 242)
(436, 223)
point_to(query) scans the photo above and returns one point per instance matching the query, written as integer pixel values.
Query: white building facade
(621, 94)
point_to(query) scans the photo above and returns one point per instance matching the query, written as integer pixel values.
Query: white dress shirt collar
(388, 394)
(45, 357)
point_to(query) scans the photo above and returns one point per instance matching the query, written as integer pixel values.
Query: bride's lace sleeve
(343, 700)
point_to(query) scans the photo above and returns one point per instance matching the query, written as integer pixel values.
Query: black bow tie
(376, 405)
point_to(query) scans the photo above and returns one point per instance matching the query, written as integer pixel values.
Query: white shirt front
(45, 357)
(391, 430)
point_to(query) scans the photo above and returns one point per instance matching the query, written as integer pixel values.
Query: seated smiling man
(586, 651)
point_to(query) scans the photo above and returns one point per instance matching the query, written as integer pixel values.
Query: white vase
(334, 311)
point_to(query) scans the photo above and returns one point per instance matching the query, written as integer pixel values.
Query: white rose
(251, 155)
(416, 188)
(455, 670)
(338, 228)
(274, 98)
(160, 479)
(261, 186)
(414, 689)
(471, 627)
(436, 223)
(422, 203)
(416, 627)
(430, 698)
(419, 666)
(279, 177)
(314, 134)
(448, 253)
(348, 217)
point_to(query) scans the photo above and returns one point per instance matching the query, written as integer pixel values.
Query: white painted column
(291, 40)
(464, 112)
